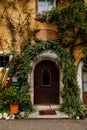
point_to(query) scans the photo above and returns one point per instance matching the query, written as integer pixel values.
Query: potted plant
(14, 108)
(11, 99)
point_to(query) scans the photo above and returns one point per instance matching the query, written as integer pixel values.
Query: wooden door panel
(46, 94)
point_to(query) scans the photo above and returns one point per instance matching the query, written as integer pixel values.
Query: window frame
(5, 54)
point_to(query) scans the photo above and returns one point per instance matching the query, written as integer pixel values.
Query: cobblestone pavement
(44, 124)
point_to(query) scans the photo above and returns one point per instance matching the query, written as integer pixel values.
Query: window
(4, 60)
(45, 5)
(85, 78)
(46, 77)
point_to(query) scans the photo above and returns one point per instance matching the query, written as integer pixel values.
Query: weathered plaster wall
(15, 14)
(5, 34)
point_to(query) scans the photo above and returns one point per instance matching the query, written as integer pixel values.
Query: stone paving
(43, 124)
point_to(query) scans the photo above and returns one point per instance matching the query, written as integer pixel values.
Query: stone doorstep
(59, 115)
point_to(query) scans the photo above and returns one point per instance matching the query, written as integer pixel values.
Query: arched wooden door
(46, 83)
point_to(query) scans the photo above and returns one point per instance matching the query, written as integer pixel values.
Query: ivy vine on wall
(70, 94)
(85, 55)
(71, 20)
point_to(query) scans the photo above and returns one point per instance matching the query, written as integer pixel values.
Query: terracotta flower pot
(14, 109)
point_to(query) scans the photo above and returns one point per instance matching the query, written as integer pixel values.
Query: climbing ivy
(85, 55)
(71, 20)
(70, 94)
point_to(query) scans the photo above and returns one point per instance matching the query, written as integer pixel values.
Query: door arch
(46, 83)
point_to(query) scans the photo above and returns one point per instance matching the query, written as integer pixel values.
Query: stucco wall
(5, 33)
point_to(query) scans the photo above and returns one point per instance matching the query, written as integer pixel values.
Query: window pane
(4, 60)
(1, 58)
(41, 6)
(2, 64)
(5, 63)
(85, 86)
(50, 4)
(42, 0)
(84, 76)
(46, 77)
(45, 5)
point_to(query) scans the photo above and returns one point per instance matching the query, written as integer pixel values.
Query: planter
(14, 109)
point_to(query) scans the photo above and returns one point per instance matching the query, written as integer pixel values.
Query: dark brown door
(46, 83)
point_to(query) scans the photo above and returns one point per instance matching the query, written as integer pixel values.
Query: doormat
(47, 112)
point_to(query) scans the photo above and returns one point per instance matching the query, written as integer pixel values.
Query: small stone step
(59, 115)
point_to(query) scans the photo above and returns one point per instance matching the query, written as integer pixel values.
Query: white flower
(5, 115)
(77, 117)
(22, 114)
(1, 116)
(12, 116)
(7, 118)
